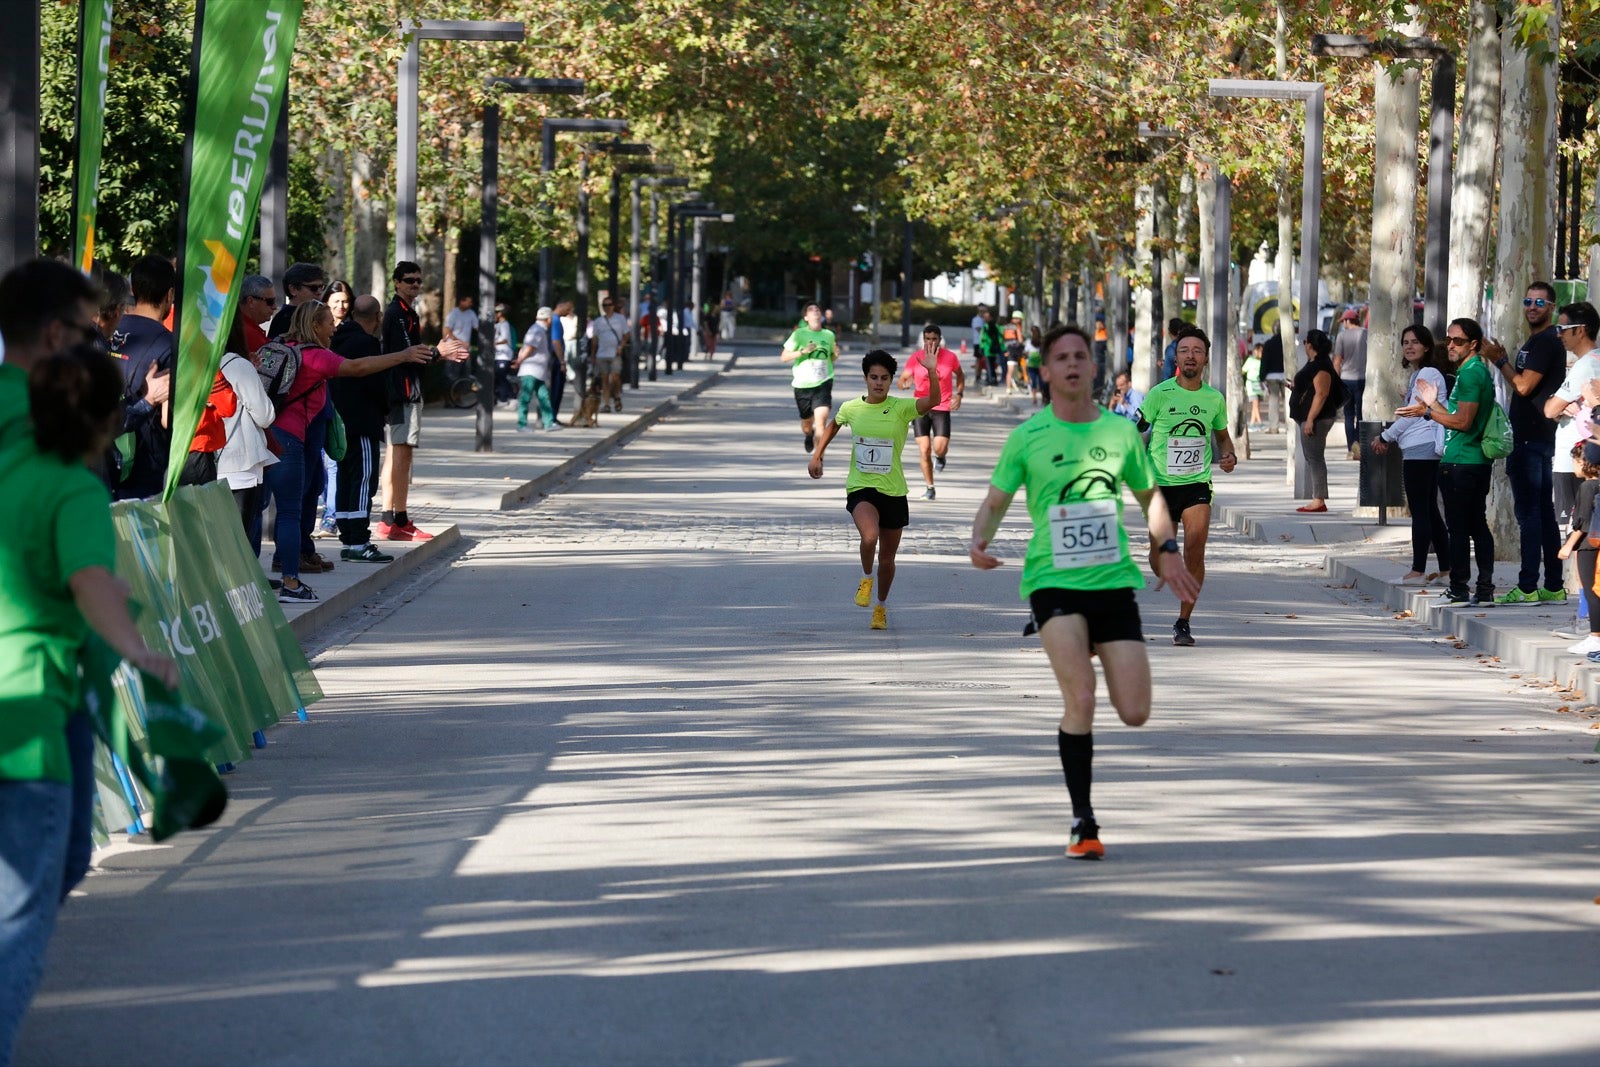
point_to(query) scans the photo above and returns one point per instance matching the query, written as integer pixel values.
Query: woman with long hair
(1314, 400)
(1421, 444)
(1464, 470)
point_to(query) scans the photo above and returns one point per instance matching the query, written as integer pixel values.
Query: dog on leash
(588, 413)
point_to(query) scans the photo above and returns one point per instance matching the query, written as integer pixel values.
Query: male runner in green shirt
(1180, 415)
(812, 350)
(875, 491)
(1074, 457)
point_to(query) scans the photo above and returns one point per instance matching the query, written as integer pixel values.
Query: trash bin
(1382, 484)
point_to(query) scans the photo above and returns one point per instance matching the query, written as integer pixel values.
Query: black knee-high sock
(1077, 762)
(387, 517)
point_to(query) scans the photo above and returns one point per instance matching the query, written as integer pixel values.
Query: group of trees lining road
(1005, 127)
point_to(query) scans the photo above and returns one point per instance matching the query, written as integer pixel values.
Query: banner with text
(207, 601)
(94, 69)
(242, 56)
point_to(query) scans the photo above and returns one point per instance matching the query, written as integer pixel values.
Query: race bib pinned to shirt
(810, 372)
(1186, 455)
(1084, 534)
(874, 455)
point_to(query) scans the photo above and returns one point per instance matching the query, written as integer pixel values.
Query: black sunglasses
(412, 281)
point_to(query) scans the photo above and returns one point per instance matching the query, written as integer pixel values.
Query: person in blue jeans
(1532, 376)
(58, 411)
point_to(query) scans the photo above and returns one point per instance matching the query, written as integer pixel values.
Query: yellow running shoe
(880, 617)
(864, 592)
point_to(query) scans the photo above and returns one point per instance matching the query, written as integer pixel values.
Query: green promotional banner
(207, 601)
(242, 53)
(94, 69)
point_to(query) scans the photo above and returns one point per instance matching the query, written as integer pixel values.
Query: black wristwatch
(1169, 545)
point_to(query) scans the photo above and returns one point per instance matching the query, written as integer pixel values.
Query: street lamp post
(19, 138)
(547, 163)
(656, 185)
(675, 273)
(633, 266)
(1311, 94)
(697, 265)
(619, 149)
(1441, 152)
(582, 280)
(417, 31)
(488, 268)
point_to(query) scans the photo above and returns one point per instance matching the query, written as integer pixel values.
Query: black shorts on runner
(1181, 498)
(813, 397)
(1112, 614)
(893, 511)
(936, 421)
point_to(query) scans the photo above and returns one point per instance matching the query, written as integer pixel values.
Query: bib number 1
(1084, 534)
(874, 455)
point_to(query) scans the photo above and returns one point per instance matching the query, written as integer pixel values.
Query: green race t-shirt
(1473, 385)
(1181, 423)
(65, 528)
(817, 367)
(13, 404)
(877, 434)
(1074, 473)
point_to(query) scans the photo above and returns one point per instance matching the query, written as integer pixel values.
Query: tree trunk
(1205, 208)
(1396, 100)
(1592, 224)
(1146, 371)
(370, 266)
(1527, 215)
(1472, 198)
(1175, 259)
(1117, 314)
(335, 214)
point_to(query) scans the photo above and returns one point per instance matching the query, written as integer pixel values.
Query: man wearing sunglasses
(1578, 327)
(1533, 375)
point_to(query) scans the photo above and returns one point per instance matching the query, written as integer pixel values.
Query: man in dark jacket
(363, 404)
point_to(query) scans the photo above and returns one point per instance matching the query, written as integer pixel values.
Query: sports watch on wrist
(1169, 545)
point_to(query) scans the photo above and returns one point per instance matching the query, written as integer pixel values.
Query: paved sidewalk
(454, 490)
(1370, 558)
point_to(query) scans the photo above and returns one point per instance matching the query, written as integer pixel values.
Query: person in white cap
(533, 375)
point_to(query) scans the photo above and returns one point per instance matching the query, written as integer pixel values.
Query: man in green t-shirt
(875, 491)
(1074, 458)
(812, 350)
(1464, 471)
(1181, 415)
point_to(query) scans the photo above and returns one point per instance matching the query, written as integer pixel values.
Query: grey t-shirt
(1351, 347)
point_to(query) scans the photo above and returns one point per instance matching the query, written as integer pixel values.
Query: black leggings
(1465, 487)
(1427, 523)
(1586, 558)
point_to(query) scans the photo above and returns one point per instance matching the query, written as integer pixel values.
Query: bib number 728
(1084, 534)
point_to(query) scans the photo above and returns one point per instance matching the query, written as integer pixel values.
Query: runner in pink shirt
(933, 429)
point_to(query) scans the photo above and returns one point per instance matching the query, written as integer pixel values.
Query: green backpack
(1497, 442)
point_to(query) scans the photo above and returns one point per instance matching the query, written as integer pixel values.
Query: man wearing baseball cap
(1350, 360)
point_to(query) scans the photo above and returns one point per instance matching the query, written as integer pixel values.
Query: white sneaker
(1587, 645)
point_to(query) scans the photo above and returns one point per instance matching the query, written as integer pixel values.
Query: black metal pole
(547, 163)
(275, 200)
(669, 335)
(19, 138)
(612, 243)
(582, 286)
(487, 268)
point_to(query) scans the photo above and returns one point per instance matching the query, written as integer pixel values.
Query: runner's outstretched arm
(814, 468)
(935, 395)
(984, 526)
(1172, 573)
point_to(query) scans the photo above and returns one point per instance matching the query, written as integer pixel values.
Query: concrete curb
(1520, 636)
(529, 489)
(328, 609)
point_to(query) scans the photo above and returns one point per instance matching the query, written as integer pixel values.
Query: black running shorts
(893, 511)
(813, 397)
(1112, 614)
(1181, 498)
(935, 422)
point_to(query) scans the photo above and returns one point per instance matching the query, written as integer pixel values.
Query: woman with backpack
(1316, 397)
(245, 457)
(297, 382)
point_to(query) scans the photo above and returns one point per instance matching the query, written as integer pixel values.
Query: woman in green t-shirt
(56, 556)
(875, 491)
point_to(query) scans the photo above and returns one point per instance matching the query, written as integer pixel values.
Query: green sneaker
(1547, 596)
(1517, 596)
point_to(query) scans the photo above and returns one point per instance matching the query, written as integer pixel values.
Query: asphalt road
(632, 783)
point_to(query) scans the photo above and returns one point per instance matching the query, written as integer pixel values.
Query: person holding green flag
(56, 560)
